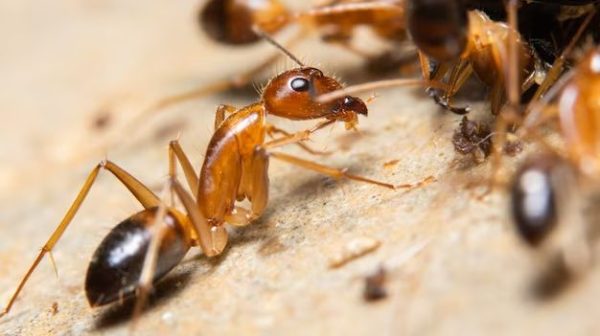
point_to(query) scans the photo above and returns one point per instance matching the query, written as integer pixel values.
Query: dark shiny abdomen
(116, 266)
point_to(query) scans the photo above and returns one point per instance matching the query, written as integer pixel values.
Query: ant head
(232, 21)
(291, 95)
(438, 27)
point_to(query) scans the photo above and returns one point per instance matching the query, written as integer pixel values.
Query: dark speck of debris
(390, 164)
(375, 286)
(102, 120)
(473, 138)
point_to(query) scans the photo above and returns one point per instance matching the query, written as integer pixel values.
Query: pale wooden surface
(455, 264)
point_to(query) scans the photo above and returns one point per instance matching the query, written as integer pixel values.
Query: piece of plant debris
(375, 286)
(473, 138)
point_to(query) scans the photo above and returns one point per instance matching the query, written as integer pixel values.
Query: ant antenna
(269, 39)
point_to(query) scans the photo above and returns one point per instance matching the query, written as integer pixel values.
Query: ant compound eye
(300, 84)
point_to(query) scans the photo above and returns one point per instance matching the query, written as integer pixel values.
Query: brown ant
(463, 42)
(144, 247)
(547, 191)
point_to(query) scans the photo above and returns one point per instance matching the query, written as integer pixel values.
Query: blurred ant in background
(554, 194)
(455, 39)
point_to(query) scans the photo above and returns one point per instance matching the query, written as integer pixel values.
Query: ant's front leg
(257, 189)
(437, 73)
(272, 130)
(297, 137)
(222, 112)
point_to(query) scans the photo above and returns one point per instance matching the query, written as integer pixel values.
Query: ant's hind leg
(139, 191)
(297, 137)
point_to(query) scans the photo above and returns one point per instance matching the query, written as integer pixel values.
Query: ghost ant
(144, 247)
(548, 189)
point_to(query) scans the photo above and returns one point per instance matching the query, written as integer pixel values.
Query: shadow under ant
(164, 291)
(552, 281)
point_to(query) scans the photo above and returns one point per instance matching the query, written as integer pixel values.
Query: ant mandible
(143, 248)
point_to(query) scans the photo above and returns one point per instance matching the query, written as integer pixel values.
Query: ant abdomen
(232, 21)
(535, 192)
(438, 27)
(116, 266)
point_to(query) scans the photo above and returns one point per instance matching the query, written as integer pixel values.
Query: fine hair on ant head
(277, 45)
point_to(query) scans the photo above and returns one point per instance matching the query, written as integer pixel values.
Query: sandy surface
(454, 264)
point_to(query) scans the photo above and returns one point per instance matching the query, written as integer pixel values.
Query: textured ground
(454, 264)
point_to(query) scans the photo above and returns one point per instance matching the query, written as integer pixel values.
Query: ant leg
(213, 239)
(557, 67)
(497, 98)
(222, 112)
(425, 65)
(329, 171)
(459, 75)
(431, 85)
(157, 232)
(345, 44)
(176, 153)
(139, 191)
(297, 136)
(258, 190)
(209, 239)
(272, 130)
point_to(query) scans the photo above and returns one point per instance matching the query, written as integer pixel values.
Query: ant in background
(143, 248)
(466, 40)
(461, 42)
(549, 190)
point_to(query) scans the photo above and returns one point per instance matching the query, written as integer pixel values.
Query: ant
(462, 42)
(547, 191)
(466, 40)
(143, 248)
